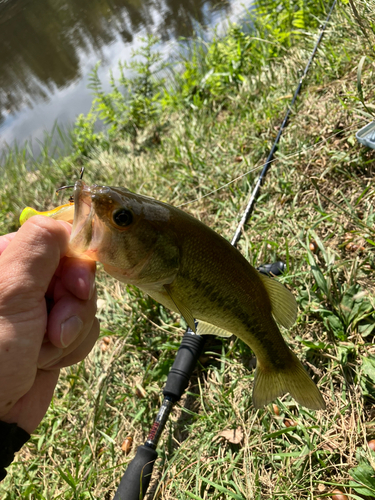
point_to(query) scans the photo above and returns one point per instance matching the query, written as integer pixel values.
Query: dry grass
(319, 189)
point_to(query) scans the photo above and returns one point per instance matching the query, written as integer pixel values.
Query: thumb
(30, 260)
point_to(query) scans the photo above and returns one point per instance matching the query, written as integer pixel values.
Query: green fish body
(190, 269)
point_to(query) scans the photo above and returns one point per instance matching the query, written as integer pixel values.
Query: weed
(133, 103)
(218, 119)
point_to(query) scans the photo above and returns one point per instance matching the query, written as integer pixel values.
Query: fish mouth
(86, 235)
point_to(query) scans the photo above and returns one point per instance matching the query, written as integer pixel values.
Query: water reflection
(47, 46)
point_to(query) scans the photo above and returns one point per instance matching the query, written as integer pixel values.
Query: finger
(5, 240)
(78, 276)
(31, 408)
(70, 320)
(29, 261)
(81, 351)
(48, 355)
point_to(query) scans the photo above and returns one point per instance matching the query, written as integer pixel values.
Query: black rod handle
(274, 269)
(186, 359)
(135, 481)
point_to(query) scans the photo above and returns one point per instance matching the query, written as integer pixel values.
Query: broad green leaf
(332, 322)
(368, 380)
(366, 328)
(316, 346)
(364, 476)
(317, 273)
(68, 478)
(346, 304)
(192, 495)
(106, 437)
(368, 367)
(354, 304)
(344, 352)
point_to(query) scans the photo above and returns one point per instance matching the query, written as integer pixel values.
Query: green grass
(192, 139)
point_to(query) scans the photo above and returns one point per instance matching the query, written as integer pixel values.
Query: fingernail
(70, 330)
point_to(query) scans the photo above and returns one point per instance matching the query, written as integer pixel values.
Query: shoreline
(184, 141)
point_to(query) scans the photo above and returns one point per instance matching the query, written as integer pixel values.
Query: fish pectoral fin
(184, 311)
(283, 303)
(204, 328)
(270, 383)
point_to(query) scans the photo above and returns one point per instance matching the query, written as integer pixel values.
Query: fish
(192, 270)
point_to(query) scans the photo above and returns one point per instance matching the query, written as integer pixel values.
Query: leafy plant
(214, 70)
(287, 451)
(84, 137)
(368, 378)
(363, 477)
(348, 307)
(134, 102)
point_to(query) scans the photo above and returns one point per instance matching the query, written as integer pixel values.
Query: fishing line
(316, 147)
(136, 479)
(250, 206)
(71, 197)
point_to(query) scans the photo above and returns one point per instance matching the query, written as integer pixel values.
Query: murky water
(49, 47)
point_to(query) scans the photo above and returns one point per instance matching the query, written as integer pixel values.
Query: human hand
(47, 317)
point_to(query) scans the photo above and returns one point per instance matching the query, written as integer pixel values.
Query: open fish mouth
(85, 236)
(83, 213)
(88, 231)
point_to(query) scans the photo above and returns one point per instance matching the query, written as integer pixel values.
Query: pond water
(49, 47)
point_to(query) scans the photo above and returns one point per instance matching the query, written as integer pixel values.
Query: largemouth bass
(189, 268)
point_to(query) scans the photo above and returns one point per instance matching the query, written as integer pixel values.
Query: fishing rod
(136, 479)
(250, 207)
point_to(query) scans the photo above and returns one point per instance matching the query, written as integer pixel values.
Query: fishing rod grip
(135, 481)
(186, 359)
(274, 269)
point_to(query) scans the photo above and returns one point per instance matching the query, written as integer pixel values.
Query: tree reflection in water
(42, 41)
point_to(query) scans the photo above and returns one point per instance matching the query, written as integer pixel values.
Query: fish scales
(210, 264)
(189, 268)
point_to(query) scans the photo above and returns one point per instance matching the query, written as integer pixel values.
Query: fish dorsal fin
(184, 311)
(283, 303)
(204, 328)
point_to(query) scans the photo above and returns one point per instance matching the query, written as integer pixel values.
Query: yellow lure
(63, 212)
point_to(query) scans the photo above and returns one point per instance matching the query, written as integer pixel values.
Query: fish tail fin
(271, 383)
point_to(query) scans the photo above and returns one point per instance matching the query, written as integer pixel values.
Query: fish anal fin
(270, 384)
(204, 328)
(283, 303)
(184, 311)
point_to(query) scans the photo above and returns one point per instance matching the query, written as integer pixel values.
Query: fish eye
(122, 217)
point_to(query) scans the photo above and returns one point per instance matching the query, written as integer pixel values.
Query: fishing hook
(71, 185)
